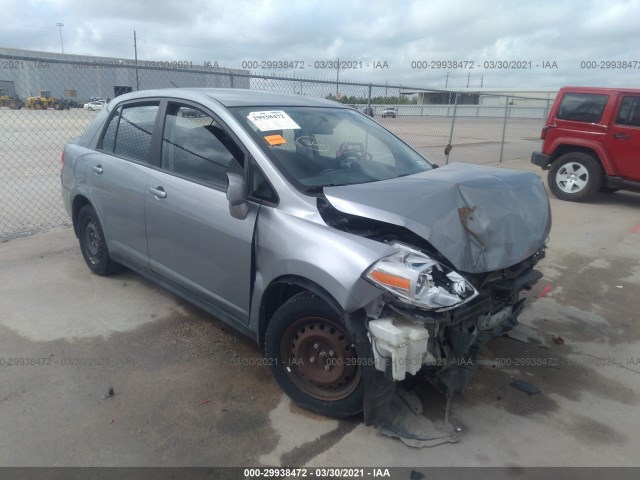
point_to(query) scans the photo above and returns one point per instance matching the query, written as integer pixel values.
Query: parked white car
(95, 105)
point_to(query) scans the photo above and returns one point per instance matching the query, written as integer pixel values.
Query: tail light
(543, 133)
(61, 162)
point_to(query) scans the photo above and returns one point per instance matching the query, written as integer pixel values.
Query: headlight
(415, 278)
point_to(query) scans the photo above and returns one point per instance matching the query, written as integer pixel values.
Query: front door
(193, 240)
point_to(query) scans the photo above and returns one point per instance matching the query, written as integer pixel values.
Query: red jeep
(591, 142)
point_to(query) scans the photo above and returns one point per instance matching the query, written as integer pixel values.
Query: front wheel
(575, 176)
(313, 358)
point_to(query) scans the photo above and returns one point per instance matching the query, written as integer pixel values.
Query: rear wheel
(575, 176)
(313, 357)
(92, 243)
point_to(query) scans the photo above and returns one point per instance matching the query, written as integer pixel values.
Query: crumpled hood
(480, 218)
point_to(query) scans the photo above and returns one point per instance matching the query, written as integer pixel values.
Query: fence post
(231, 80)
(369, 101)
(546, 110)
(504, 127)
(453, 122)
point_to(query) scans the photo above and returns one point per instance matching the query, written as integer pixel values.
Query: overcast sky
(557, 34)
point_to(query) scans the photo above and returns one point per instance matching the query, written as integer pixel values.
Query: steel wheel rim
(92, 241)
(572, 177)
(320, 359)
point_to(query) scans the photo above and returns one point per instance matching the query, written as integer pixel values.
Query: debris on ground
(110, 393)
(414, 430)
(545, 291)
(525, 387)
(558, 340)
(527, 334)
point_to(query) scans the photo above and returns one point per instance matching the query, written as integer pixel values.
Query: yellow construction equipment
(14, 103)
(44, 101)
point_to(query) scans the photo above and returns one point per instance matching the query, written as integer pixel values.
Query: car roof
(233, 97)
(605, 90)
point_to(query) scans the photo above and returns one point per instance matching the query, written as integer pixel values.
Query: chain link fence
(46, 101)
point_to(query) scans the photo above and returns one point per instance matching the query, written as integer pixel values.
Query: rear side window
(129, 130)
(582, 107)
(629, 113)
(133, 138)
(109, 139)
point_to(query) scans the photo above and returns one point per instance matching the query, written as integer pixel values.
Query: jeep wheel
(313, 358)
(574, 176)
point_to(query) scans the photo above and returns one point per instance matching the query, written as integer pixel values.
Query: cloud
(395, 32)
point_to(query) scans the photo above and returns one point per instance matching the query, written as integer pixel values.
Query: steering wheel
(349, 160)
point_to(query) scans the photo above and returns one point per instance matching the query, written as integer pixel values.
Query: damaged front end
(434, 320)
(439, 340)
(431, 319)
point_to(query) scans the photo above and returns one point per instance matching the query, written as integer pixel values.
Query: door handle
(621, 136)
(97, 169)
(158, 192)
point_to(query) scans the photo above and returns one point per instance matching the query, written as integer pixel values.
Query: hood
(480, 218)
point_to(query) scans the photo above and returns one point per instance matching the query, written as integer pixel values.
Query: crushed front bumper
(442, 346)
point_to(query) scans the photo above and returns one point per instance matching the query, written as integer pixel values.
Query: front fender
(335, 261)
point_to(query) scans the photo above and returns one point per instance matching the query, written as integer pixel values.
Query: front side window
(629, 113)
(316, 147)
(197, 147)
(582, 107)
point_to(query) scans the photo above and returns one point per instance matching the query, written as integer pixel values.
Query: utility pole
(468, 78)
(481, 81)
(135, 52)
(446, 81)
(338, 81)
(60, 25)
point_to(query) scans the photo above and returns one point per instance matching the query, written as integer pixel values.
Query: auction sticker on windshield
(273, 120)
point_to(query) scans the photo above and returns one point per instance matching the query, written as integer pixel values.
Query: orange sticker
(275, 139)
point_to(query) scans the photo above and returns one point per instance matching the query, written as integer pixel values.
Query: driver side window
(197, 147)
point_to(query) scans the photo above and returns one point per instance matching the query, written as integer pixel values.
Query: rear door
(117, 177)
(623, 139)
(193, 240)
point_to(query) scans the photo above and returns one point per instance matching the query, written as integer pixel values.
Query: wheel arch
(79, 201)
(282, 289)
(594, 150)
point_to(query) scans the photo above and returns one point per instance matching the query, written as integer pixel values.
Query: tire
(575, 176)
(92, 243)
(313, 357)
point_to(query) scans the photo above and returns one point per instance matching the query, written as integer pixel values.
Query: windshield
(317, 146)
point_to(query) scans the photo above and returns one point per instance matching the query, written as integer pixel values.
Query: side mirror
(237, 196)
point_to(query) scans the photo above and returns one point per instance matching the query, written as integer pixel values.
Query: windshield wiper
(318, 188)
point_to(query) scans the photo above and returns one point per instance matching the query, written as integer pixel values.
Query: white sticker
(272, 120)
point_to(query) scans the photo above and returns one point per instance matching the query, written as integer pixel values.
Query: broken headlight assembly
(417, 279)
